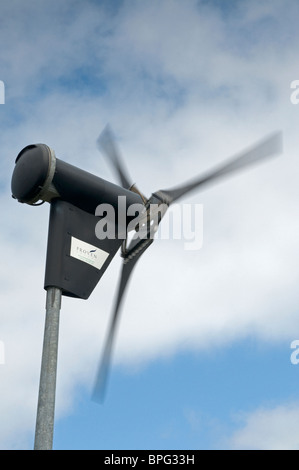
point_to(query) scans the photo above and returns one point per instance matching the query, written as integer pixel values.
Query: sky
(204, 357)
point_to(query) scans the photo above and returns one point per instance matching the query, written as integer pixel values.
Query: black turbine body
(40, 176)
(76, 258)
(74, 195)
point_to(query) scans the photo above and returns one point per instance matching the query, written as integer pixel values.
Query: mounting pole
(46, 401)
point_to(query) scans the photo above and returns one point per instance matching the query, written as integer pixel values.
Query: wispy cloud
(268, 429)
(184, 85)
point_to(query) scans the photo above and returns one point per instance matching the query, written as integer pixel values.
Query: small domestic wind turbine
(77, 258)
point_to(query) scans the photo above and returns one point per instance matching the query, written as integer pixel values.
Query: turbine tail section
(76, 258)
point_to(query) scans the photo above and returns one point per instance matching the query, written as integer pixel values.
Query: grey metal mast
(47, 389)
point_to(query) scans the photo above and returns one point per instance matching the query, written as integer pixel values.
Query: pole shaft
(47, 388)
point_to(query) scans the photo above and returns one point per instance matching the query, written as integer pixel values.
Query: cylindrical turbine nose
(40, 176)
(33, 174)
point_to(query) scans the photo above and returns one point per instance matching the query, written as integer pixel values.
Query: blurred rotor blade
(129, 263)
(266, 148)
(106, 144)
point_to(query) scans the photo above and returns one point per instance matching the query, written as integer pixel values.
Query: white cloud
(268, 429)
(182, 95)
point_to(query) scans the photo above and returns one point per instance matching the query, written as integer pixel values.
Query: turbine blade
(129, 263)
(107, 145)
(267, 148)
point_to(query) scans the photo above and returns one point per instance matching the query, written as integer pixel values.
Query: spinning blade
(267, 148)
(106, 144)
(127, 269)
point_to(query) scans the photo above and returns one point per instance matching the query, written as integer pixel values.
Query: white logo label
(88, 253)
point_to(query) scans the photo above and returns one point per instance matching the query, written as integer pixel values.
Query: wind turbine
(77, 258)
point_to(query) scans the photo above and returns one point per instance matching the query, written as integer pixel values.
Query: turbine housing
(76, 257)
(40, 176)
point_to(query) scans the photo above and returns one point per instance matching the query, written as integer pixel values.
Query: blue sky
(203, 356)
(187, 402)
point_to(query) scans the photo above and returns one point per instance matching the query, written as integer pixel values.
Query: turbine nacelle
(76, 257)
(41, 177)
